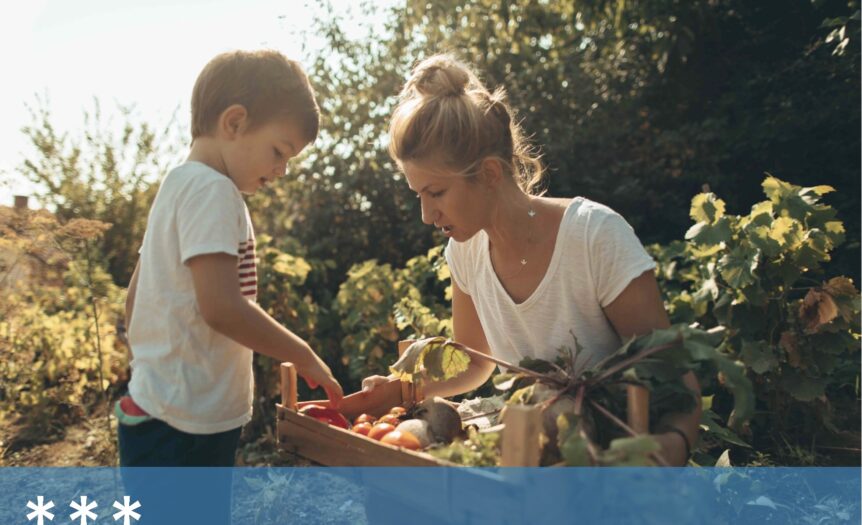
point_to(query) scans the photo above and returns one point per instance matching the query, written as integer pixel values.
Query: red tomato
(362, 428)
(364, 418)
(392, 419)
(329, 416)
(379, 430)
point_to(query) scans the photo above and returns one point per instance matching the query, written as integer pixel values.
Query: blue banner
(263, 496)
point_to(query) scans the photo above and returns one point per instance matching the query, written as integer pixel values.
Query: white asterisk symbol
(84, 510)
(127, 510)
(40, 510)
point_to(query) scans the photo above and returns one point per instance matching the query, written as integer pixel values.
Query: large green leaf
(738, 267)
(801, 386)
(706, 207)
(759, 356)
(706, 234)
(437, 358)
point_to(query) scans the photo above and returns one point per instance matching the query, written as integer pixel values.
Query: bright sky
(145, 53)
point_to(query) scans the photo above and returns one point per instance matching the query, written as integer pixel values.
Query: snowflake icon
(127, 510)
(84, 510)
(40, 510)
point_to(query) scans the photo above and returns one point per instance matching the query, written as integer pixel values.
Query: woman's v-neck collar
(549, 271)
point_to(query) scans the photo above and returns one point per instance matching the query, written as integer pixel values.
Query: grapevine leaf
(760, 237)
(786, 232)
(444, 361)
(438, 357)
(706, 207)
(801, 386)
(817, 309)
(846, 297)
(737, 267)
(758, 356)
(705, 234)
(790, 344)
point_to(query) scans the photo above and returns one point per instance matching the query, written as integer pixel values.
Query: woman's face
(456, 205)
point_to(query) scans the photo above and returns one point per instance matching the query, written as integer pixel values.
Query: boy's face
(258, 157)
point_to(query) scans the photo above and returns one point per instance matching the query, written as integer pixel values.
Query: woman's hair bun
(440, 76)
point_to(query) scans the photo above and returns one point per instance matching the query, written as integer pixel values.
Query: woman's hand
(371, 382)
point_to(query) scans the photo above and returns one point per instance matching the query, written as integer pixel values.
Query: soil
(87, 442)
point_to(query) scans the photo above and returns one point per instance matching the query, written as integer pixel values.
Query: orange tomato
(379, 430)
(398, 410)
(392, 419)
(403, 439)
(364, 418)
(362, 428)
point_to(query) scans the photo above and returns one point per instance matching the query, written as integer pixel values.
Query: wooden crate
(332, 446)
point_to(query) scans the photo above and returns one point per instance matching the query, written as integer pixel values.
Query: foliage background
(640, 105)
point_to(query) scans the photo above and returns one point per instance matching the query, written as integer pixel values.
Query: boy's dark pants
(154, 443)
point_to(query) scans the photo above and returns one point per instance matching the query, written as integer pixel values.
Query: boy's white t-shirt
(596, 256)
(184, 372)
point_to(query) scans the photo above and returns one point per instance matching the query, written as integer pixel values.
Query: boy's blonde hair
(266, 83)
(445, 116)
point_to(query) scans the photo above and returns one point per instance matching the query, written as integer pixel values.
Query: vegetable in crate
(584, 406)
(326, 415)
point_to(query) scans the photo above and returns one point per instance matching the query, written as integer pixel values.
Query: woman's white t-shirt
(184, 372)
(596, 256)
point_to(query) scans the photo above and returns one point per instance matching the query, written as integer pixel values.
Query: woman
(527, 271)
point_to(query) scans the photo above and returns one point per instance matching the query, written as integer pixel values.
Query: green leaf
(573, 446)
(801, 386)
(631, 451)
(438, 357)
(758, 355)
(709, 420)
(505, 381)
(445, 361)
(706, 207)
(737, 267)
(704, 234)
(760, 237)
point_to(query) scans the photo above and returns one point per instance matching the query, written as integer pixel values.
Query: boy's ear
(233, 120)
(491, 172)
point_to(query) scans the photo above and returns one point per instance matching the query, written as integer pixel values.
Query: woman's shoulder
(582, 212)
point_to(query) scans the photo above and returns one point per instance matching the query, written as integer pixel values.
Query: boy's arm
(226, 311)
(130, 302)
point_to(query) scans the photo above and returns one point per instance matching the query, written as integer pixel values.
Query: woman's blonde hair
(446, 116)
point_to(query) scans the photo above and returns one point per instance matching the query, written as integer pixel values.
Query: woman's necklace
(531, 214)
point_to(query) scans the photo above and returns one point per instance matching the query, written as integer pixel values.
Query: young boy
(191, 311)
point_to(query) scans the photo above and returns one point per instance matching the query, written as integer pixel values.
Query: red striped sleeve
(247, 269)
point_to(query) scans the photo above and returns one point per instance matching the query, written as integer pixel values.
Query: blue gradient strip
(263, 496)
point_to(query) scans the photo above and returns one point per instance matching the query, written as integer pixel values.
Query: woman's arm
(637, 311)
(467, 331)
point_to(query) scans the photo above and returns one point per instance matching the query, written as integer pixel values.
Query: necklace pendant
(523, 262)
(531, 213)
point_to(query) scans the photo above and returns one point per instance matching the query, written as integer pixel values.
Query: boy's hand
(316, 373)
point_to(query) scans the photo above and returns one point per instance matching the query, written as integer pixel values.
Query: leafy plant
(579, 402)
(761, 276)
